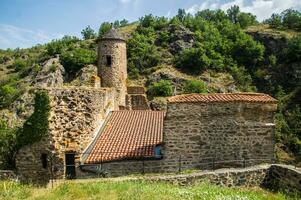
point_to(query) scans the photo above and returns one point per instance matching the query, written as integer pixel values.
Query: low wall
(285, 178)
(7, 175)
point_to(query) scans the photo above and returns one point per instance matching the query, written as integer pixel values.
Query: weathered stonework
(198, 134)
(136, 99)
(7, 175)
(113, 75)
(75, 117)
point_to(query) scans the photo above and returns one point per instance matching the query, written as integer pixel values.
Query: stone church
(109, 128)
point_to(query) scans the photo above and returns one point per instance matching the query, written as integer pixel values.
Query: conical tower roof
(112, 34)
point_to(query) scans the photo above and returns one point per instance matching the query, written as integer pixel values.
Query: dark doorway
(70, 165)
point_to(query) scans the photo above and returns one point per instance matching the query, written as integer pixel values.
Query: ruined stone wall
(116, 74)
(205, 134)
(76, 115)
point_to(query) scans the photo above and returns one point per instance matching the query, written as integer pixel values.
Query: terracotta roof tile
(128, 135)
(223, 97)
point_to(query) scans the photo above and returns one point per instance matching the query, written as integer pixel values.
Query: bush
(195, 86)
(8, 94)
(19, 65)
(76, 59)
(7, 146)
(162, 88)
(61, 45)
(104, 28)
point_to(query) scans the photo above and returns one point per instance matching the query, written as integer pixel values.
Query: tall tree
(88, 33)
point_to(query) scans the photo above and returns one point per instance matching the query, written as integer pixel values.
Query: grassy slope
(132, 190)
(277, 33)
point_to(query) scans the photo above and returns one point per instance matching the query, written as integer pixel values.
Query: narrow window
(109, 61)
(44, 160)
(158, 153)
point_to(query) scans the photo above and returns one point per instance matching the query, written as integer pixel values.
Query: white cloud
(13, 36)
(263, 9)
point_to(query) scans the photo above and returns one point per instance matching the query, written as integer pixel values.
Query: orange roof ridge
(251, 97)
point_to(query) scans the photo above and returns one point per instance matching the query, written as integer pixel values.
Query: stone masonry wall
(196, 135)
(121, 168)
(116, 74)
(76, 115)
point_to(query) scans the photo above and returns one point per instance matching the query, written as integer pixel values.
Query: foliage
(8, 94)
(104, 28)
(19, 64)
(293, 52)
(36, 126)
(288, 19)
(61, 45)
(7, 145)
(141, 54)
(133, 190)
(195, 86)
(162, 88)
(76, 59)
(88, 33)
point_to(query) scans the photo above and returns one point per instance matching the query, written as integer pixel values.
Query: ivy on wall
(36, 126)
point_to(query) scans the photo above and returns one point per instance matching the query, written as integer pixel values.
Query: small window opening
(109, 60)
(158, 152)
(44, 160)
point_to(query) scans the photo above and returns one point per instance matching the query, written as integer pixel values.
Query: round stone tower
(112, 63)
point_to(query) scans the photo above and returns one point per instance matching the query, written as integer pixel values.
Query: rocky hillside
(203, 53)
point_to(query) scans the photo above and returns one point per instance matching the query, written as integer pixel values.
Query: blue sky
(24, 23)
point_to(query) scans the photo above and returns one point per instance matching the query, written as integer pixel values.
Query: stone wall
(121, 168)
(284, 178)
(116, 74)
(75, 117)
(203, 133)
(7, 175)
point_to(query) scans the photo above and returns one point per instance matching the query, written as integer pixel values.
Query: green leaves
(162, 88)
(36, 126)
(195, 86)
(76, 59)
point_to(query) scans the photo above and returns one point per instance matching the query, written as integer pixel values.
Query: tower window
(109, 60)
(44, 160)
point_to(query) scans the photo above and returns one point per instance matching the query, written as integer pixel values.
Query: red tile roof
(128, 135)
(223, 97)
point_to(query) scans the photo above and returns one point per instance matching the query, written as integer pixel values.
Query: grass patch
(131, 190)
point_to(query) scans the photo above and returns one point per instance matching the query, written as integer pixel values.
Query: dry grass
(266, 29)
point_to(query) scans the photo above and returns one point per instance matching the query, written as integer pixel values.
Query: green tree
(61, 45)
(162, 88)
(124, 22)
(8, 94)
(76, 59)
(195, 86)
(274, 21)
(104, 28)
(181, 14)
(246, 19)
(88, 33)
(233, 13)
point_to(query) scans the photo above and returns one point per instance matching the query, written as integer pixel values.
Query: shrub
(19, 65)
(76, 59)
(161, 88)
(104, 28)
(7, 146)
(61, 45)
(8, 94)
(195, 86)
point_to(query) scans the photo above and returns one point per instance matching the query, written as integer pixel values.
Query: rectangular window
(44, 160)
(109, 60)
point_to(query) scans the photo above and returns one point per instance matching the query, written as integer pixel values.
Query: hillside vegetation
(133, 190)
(211, 51)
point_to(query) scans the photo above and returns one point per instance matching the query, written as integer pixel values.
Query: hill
(212, 51)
